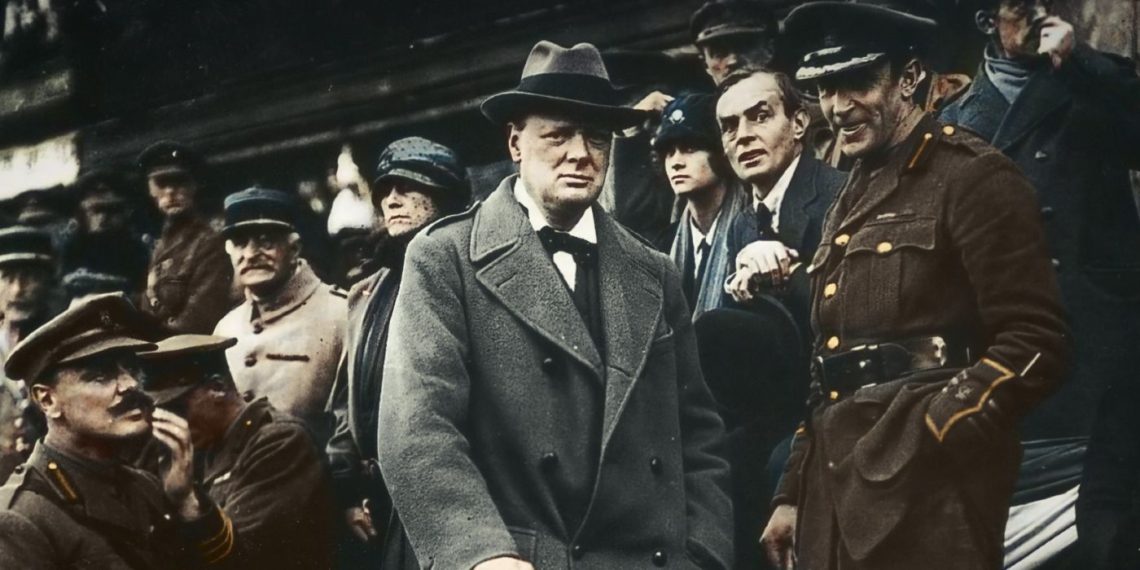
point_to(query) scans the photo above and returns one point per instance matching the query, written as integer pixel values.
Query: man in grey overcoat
(543, 406)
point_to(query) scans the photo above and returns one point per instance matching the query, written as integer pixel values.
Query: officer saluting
(936, 319)
(72, 505)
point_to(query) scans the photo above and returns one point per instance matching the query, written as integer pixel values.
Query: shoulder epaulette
(12, 487)
(450, 219)
(62, 483)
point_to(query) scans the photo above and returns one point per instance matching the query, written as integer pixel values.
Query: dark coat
(59, 511)
(637, 193)
(917, 472)
(503, 431)
(1075, 133)
(190, 280)
(709, 293)
(810, 192)
(268, 476)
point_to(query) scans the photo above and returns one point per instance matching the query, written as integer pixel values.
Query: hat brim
(167, 169)
(107, 345)
(728, 31)
(807, 14)
(21, 258)
(505, 107)
(411, 175)
(230, 230)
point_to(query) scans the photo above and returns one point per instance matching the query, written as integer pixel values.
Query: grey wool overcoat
(503, 429)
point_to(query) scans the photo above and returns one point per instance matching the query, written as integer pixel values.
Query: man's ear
(984, 20)
(912, 75)
(44, 397)
(800, 122)
(513, 142)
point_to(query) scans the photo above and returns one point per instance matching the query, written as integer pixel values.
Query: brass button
(884, 247)
(833, 343)
(829, 290)
(248, 423)
(842, 239)
(948, 130)
(833, 395)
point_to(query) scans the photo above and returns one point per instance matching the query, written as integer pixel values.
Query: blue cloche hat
(690, 118)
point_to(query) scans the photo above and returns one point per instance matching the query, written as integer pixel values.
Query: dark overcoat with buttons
(505, 431)
(1075, 133)
(190, 280)
(942, 237)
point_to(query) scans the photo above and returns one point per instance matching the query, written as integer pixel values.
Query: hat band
(585, 88)
(438, 177)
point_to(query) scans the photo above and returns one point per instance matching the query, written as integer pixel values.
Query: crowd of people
(859, 317)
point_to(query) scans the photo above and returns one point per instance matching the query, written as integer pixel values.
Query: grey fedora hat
(567, 80)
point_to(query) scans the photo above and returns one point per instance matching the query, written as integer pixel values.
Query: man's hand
(504, 563)
(178, 480)
(655, 102)
(1057, 40)
(779, 538)
(761, 262)
(359, 519)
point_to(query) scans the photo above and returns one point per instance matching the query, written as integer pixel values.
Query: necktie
(703, 249)
(764, 222)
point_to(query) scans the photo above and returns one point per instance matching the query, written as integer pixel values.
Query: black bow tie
(554, 240)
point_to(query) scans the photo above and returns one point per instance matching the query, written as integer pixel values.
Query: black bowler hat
(169, 157)
(23, 244)
(423, 161)
(717, 19)
(566, 80)
(182, 362)
(259, 207)
(692, 119)
(833, 37)
(92, 327)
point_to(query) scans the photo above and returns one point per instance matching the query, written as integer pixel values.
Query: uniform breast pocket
(172, 292)
(885, 257)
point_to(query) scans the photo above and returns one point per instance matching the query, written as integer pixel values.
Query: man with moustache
(259, 465)
(188, 280)
(936, 315)
(290, 329)
(73, 504)
(417, 182)
(543, 405)
(762, 124)
(27, 273)
(688, 145)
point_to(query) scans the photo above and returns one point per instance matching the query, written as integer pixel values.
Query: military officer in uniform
(936, 315)
(189, 283)
(290, 329)
(73, 505)
(261, 467)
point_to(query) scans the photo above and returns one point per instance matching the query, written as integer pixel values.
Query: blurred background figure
(189, 281)
(352, 221)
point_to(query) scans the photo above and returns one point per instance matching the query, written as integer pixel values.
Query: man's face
(23, 290)
(724, 55)
(263, 257)
(865, 108)
(407, 206)
(759, 137)
(173, 192)
(1018, 26)
(561, 162)
(97, 399)
(104, 212)
(689, 169)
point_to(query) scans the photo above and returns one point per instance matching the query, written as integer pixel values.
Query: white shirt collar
(698, 237)
(776, 196)
(584, 229)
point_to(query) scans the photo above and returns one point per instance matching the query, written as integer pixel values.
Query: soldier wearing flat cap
(188, 280)
(417, 182)
(27, 277)
(105, 254)
(73, 505)
(936, 317)
(543, 405)
(290, 328)
(260, 466)
(734, 35)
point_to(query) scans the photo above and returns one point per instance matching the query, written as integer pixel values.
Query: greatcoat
(493, 387)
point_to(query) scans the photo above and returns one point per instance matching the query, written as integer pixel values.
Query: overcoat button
(548, 364)
(1047, 213)
(577, 551)
(250, 360)
(842, 239)
(549, 460)
(1056, 264)
(655, 465)
(660, 558)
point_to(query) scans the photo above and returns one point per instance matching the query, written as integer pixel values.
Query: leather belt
(870, 364)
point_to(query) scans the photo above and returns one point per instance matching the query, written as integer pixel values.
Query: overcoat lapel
(516, 270)
(631, 305)
(801, 193)
(1045, 94)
